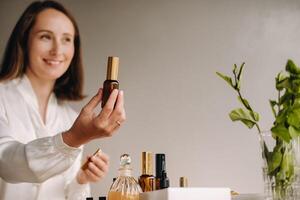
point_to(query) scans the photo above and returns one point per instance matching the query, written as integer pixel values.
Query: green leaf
(281, 117)
(254, 115)
(275, 159)
(287, 168)
(285, 98)
(266, 152)
(238, 84)
(238, 75)
(242, 115)
(226, 78)
(296, 85)
(281, 132)
(281, 76)
(292, 67)
(297, 101)
(284, 84)
(235, 69)
(244, 101)
(273, 104)
(240, 71)
(294, 132)
(293, 118)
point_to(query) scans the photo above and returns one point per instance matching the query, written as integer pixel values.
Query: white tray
(188, 194)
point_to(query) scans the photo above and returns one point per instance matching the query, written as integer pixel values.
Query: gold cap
(183, 182)
(147, 163)
(112, 68)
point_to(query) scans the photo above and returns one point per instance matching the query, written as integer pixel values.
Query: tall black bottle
(161, 179)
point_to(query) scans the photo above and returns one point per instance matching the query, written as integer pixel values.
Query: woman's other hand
(96, 169)
(89, 125)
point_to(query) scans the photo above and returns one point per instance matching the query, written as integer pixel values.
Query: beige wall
(169, 51)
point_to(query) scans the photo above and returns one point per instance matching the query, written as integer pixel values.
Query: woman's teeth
(53, 62)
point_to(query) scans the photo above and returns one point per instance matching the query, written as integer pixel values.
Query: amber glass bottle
(111, 81)
(147, 179)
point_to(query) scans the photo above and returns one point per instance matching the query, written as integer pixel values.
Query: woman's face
(50, 45)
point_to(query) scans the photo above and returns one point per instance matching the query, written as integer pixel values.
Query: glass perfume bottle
(125, 187)
(147, 179)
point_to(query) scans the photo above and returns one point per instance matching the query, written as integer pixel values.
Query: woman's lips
(53, 61)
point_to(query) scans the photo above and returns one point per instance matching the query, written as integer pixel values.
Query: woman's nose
(56, 48)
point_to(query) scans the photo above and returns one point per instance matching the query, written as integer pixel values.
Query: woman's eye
(67, 39)
(45, 37)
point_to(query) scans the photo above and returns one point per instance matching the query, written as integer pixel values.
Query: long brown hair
(15, 60)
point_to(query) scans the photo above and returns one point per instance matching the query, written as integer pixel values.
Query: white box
(188, 194)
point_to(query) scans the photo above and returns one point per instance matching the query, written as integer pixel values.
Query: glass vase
(281, 167)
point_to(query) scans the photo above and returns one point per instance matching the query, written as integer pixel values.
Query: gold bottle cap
(183, 182)
(112, 68)
(147, 163)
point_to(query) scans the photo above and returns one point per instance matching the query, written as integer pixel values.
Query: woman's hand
(89, 125)
(96, 169)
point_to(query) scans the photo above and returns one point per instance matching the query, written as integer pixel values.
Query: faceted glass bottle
(125, 187)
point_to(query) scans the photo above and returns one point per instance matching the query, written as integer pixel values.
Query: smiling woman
(51, 46)
(41, 137)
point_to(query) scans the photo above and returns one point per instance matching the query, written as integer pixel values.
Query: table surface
(248, 197)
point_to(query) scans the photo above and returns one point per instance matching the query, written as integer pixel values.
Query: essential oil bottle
(147, 179)
(162, 180)
(111, 81)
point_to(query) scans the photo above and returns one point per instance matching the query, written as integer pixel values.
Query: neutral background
(169, 52)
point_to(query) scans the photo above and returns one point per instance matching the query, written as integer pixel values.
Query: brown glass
(108, 87)
(157, 183)
(147, 182)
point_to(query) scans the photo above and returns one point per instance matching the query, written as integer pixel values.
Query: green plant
(286, 126)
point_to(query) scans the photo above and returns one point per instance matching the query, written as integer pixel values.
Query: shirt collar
(25, 88)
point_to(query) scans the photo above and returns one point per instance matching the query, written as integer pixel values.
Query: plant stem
(278, 105)
(249, 108)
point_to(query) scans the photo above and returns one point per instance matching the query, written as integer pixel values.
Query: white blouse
(35, 163)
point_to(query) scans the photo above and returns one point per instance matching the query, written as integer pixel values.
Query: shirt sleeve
(74, 190)
(33, 162)
(36, 161)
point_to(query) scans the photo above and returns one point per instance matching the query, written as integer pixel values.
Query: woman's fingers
(91, 105)
(115, 111)
(119, 112)
(91, 176)
(109, 106)
(118, 116)
(97, 167)
(120, 100)
(101, 160)
(95, 171)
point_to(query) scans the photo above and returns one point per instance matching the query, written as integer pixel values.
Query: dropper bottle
(111, 81)
(147, 179)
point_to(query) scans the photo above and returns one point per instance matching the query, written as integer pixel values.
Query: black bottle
(111, 81)
(162, 181)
